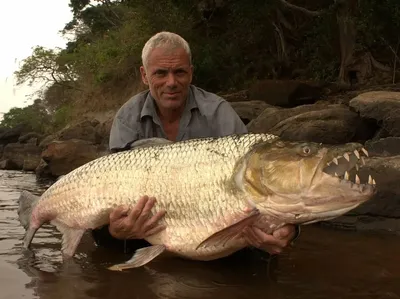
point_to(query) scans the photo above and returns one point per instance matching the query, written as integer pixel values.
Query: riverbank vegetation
(234, 44)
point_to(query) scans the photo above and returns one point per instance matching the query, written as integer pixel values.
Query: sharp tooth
(357, 167)
(362, 161)
(357, 154)
(346, 156)
(346, 176)
(335, 161)
(365, 151)
(328, 164)
(336, 174)
(373, 182)
(370, 181)
(357, 179)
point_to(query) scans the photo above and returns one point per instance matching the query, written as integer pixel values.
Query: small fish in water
(211, 189)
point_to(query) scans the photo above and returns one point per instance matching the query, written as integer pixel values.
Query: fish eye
(306, 150)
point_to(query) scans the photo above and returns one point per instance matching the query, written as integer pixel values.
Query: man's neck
(170, 116)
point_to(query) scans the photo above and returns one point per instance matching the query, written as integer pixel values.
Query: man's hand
(135, 222)
(273, 244)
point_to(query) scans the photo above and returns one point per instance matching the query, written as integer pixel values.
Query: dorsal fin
(150, 142)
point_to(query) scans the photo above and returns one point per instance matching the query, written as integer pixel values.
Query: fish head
(305, 182)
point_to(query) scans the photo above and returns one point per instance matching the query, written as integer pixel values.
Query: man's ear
(144, 77)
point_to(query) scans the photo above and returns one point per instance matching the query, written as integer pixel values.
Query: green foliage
(378, 24)
(61, 117)
(34, 117)
(44, 65)
(232, 44)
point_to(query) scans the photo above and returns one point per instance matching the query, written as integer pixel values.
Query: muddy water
(325, 263)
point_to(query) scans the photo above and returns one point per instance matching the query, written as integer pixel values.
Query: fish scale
(187, 179)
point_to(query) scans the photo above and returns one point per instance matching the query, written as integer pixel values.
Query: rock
(382, 212)
(239, 96)
(382, 106)
(30, 138)
(365, 223)
(64, 156)
(103, 131)
(46, 141)
(249, 110)
(11, 135)
(287, 94)
(320, 122)
(7, 165)
(18, 153)
(386, 202)
(384, 147)
(84, 130)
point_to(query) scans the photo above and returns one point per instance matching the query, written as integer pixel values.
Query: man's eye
(160, 73)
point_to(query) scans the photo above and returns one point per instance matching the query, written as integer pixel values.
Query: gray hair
(167, 40)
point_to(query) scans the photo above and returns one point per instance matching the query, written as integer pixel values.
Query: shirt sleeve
(121, 135)
(227, 121)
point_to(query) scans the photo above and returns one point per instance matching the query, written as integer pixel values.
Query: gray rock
(382, 106)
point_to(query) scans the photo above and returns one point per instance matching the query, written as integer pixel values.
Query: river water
(324, 263)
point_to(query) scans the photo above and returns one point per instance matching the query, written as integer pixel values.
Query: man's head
(167, 69)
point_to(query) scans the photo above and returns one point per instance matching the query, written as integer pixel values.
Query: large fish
(211, 189)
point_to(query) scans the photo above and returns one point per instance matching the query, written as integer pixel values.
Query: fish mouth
(345, 167)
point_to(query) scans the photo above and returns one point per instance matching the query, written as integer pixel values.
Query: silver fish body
(197, 182)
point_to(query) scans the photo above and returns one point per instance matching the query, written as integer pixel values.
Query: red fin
(221, 237)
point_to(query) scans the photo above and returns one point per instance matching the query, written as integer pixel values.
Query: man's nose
(171, 80)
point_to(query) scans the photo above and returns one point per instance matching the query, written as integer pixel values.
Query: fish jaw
(304, 182)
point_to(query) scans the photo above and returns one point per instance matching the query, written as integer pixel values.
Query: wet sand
(324, 263)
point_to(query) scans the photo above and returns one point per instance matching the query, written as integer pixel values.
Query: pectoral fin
(70, 238)
(141, 257)
(221, 237)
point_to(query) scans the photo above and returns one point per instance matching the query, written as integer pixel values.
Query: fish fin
(26, 202)
(221, 237)
(150, 142)
(141, 257)
(70, 238)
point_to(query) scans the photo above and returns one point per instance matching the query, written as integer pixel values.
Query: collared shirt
(205, 115)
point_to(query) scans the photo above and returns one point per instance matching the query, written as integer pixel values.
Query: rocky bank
(291, 109)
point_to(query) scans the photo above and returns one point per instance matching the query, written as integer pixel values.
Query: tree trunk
(345, 16)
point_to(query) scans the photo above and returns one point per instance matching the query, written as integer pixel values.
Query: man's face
(168, 75)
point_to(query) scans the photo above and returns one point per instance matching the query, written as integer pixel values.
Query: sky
(25, 24)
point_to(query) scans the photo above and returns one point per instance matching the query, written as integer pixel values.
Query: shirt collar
(149, 107)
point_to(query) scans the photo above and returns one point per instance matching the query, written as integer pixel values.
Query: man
(172, 108)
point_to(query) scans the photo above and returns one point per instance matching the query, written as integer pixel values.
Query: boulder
(18, 153)
(285, 93)
(321, 122)
(384, 147)
(7, 165)
(85, 130)
(62, 157)
(382, 106)
(31, 137)
(11, 135)
(249, 110)
(382, 212)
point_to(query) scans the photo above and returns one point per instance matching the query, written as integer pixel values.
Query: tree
(45, 65)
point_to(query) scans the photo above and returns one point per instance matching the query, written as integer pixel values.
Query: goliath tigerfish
(210, 188)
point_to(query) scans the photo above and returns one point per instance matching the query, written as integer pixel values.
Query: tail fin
(27, 201)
